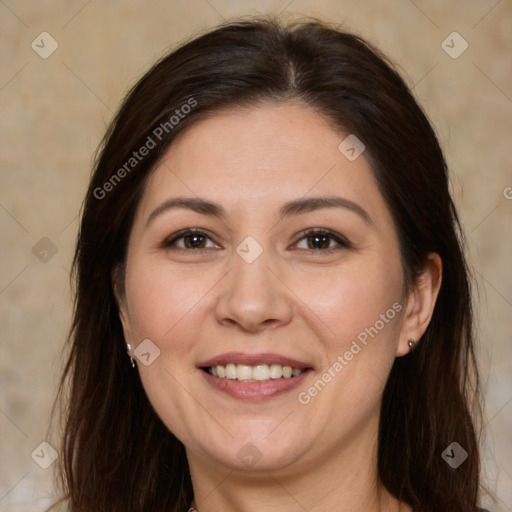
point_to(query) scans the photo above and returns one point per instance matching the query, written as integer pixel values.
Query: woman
(269, 234)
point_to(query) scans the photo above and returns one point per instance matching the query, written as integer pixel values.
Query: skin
(194, 304)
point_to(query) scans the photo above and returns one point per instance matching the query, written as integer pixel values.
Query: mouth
(257, 373)
(254, 376)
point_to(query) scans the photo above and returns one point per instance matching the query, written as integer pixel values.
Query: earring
(412, 345)
(129, 348)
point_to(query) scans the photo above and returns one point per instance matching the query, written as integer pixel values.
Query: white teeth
(243, 372)
(259, 372)
(287, 372)
(230, 371)
(276, 371)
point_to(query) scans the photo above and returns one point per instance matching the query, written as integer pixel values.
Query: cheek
(351, 299)
(165, 307)
(161, 299)
(357, 313)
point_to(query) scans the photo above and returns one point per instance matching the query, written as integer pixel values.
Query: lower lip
(255, 391)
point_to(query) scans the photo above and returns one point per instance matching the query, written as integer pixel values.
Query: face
(269, 278)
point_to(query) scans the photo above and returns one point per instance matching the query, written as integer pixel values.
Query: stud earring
(129, 349)
(412, 345)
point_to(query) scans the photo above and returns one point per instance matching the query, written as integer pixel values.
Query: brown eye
(188, 239)
(322, 241)
(194, 241)
(319, 241)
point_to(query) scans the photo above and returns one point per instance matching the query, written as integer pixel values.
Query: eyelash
(340, 240)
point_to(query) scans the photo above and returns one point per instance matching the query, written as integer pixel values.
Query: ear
(420, 303)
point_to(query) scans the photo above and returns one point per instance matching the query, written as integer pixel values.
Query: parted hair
(116, 454)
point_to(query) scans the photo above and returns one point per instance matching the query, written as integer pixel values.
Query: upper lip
(252, 360)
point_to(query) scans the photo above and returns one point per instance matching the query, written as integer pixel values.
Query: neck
(346, 480)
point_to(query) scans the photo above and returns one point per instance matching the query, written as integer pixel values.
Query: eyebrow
(295, 207)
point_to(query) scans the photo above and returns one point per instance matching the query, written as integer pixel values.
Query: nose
(253, 296)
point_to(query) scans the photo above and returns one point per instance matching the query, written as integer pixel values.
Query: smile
(254, 377)
(257, 373)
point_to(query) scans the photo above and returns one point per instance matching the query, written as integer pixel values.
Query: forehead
(259, 156)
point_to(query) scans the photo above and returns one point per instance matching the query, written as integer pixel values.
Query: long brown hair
(117, 455)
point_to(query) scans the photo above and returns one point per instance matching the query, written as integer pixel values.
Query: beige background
(55, 110)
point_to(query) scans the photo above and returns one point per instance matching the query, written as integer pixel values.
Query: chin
(256, 455)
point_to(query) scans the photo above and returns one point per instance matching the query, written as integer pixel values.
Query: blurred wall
(56, 103)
